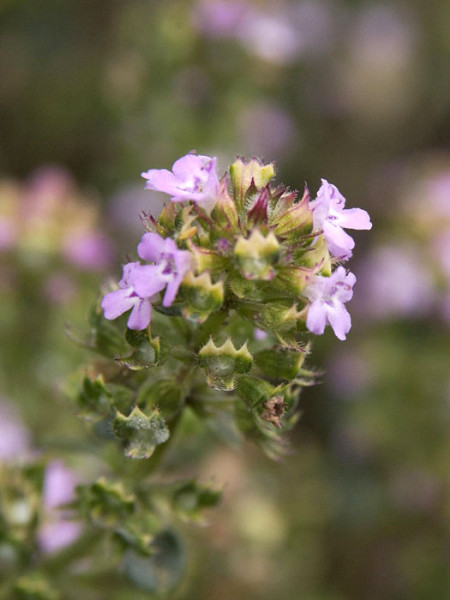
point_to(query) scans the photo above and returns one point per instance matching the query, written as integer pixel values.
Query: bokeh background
(358, 92)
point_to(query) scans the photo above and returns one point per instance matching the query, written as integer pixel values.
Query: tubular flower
(120, 301)
(328, 296)
(330, 216)
(140, 283)
(171, 265)
(193, 177)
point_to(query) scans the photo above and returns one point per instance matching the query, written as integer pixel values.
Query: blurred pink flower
(88, 250)
(59, 489)
(266, 130)
(395, 282)
(219, 18)
(8, 233)
(15, 442)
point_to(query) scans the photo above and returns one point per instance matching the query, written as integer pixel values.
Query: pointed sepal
(201, 296)
(223, 363)
(140, 433)
(257, 255)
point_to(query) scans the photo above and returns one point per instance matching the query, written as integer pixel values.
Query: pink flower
(15, 438)
(88, 250)
(193, 177)
(328, 296)
(59, 489)
(125, 298)
(171, 265)
(330, 216)
(140, 283)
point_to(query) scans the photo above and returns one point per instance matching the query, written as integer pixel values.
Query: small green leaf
(164, 394)
(191, 498)
(254, 391)
(280, 363)
(161, 572)
(107, 338)
(93, 400)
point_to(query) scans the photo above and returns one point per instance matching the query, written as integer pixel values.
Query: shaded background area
(93, 93)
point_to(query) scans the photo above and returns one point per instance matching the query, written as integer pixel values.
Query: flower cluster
(238, 243)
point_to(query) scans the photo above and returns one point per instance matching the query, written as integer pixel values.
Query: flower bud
(257, 254)
(224, 212)
(184, 223)
(248, 177)
(201, 296)
(223, 363)
(292, 219)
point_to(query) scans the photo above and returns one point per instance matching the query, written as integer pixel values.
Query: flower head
(327, 296)
(331, 217)
(193, 177)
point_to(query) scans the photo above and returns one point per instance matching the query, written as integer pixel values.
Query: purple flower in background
(15, 438)
(88, 250)
(327, 296)
(140, 283)
(395, 282)
(193, 177)
(120, 301)
(171, 265)
(59, 489)
(330, 216)
(8, 233)
(218, 18)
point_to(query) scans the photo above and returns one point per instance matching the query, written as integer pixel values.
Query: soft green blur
(355, 92)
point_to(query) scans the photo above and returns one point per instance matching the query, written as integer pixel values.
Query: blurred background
(357, 92)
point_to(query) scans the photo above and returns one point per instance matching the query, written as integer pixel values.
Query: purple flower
(120, 301)
(327, 296)
(15, 438)
(193, 177)
(140, 283)
(171, 265)
(330, 216)
(88, 250)
(59, 488)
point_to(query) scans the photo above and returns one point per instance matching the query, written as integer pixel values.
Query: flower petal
(151, 247)
(340, 320)
(172, 290)
(160, 180)
(140, 315)
(339, 243)
(116, 303)
(354, 218)
(186, 167)
(316, 319)
(147, 280)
